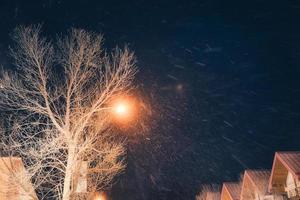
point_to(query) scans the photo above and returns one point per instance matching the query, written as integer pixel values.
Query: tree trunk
(68, 175)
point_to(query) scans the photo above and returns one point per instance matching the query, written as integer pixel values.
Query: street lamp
(124, 110)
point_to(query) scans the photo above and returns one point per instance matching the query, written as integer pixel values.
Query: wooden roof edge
(279, 152)
(279, 158)
(243, 183)
(272, 172)
(10, 157)
(256, 170)
(295, 174)
(10, 162)
(247, 175)
(225, 187)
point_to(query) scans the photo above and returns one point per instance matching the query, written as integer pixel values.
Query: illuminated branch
(59, 97)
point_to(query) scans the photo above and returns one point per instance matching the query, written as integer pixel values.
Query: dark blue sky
(222, 78)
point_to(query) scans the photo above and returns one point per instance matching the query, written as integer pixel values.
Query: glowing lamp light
(123, 109)
(100, 196)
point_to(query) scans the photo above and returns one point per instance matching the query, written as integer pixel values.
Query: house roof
(10, 163)
(291, 160)
(10, 187)
(213, 195)
(256, 178)
(288, 160)
(233, 189)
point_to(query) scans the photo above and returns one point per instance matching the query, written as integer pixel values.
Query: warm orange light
(100, 196)
(124, 109)
(121, 109)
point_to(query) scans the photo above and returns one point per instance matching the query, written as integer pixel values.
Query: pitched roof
(213, 195)
(255, 181)
(290, 161)
(257, 177)
(233, 189)
(8, 164)
(12, 174)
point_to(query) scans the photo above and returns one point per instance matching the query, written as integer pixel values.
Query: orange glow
(121, 109)
(100, 196)
(124, 109)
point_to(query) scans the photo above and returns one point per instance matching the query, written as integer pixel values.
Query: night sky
(221, 78)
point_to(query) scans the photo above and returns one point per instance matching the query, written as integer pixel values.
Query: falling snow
(222, 81)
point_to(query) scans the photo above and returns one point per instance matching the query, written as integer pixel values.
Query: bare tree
(60, 100)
